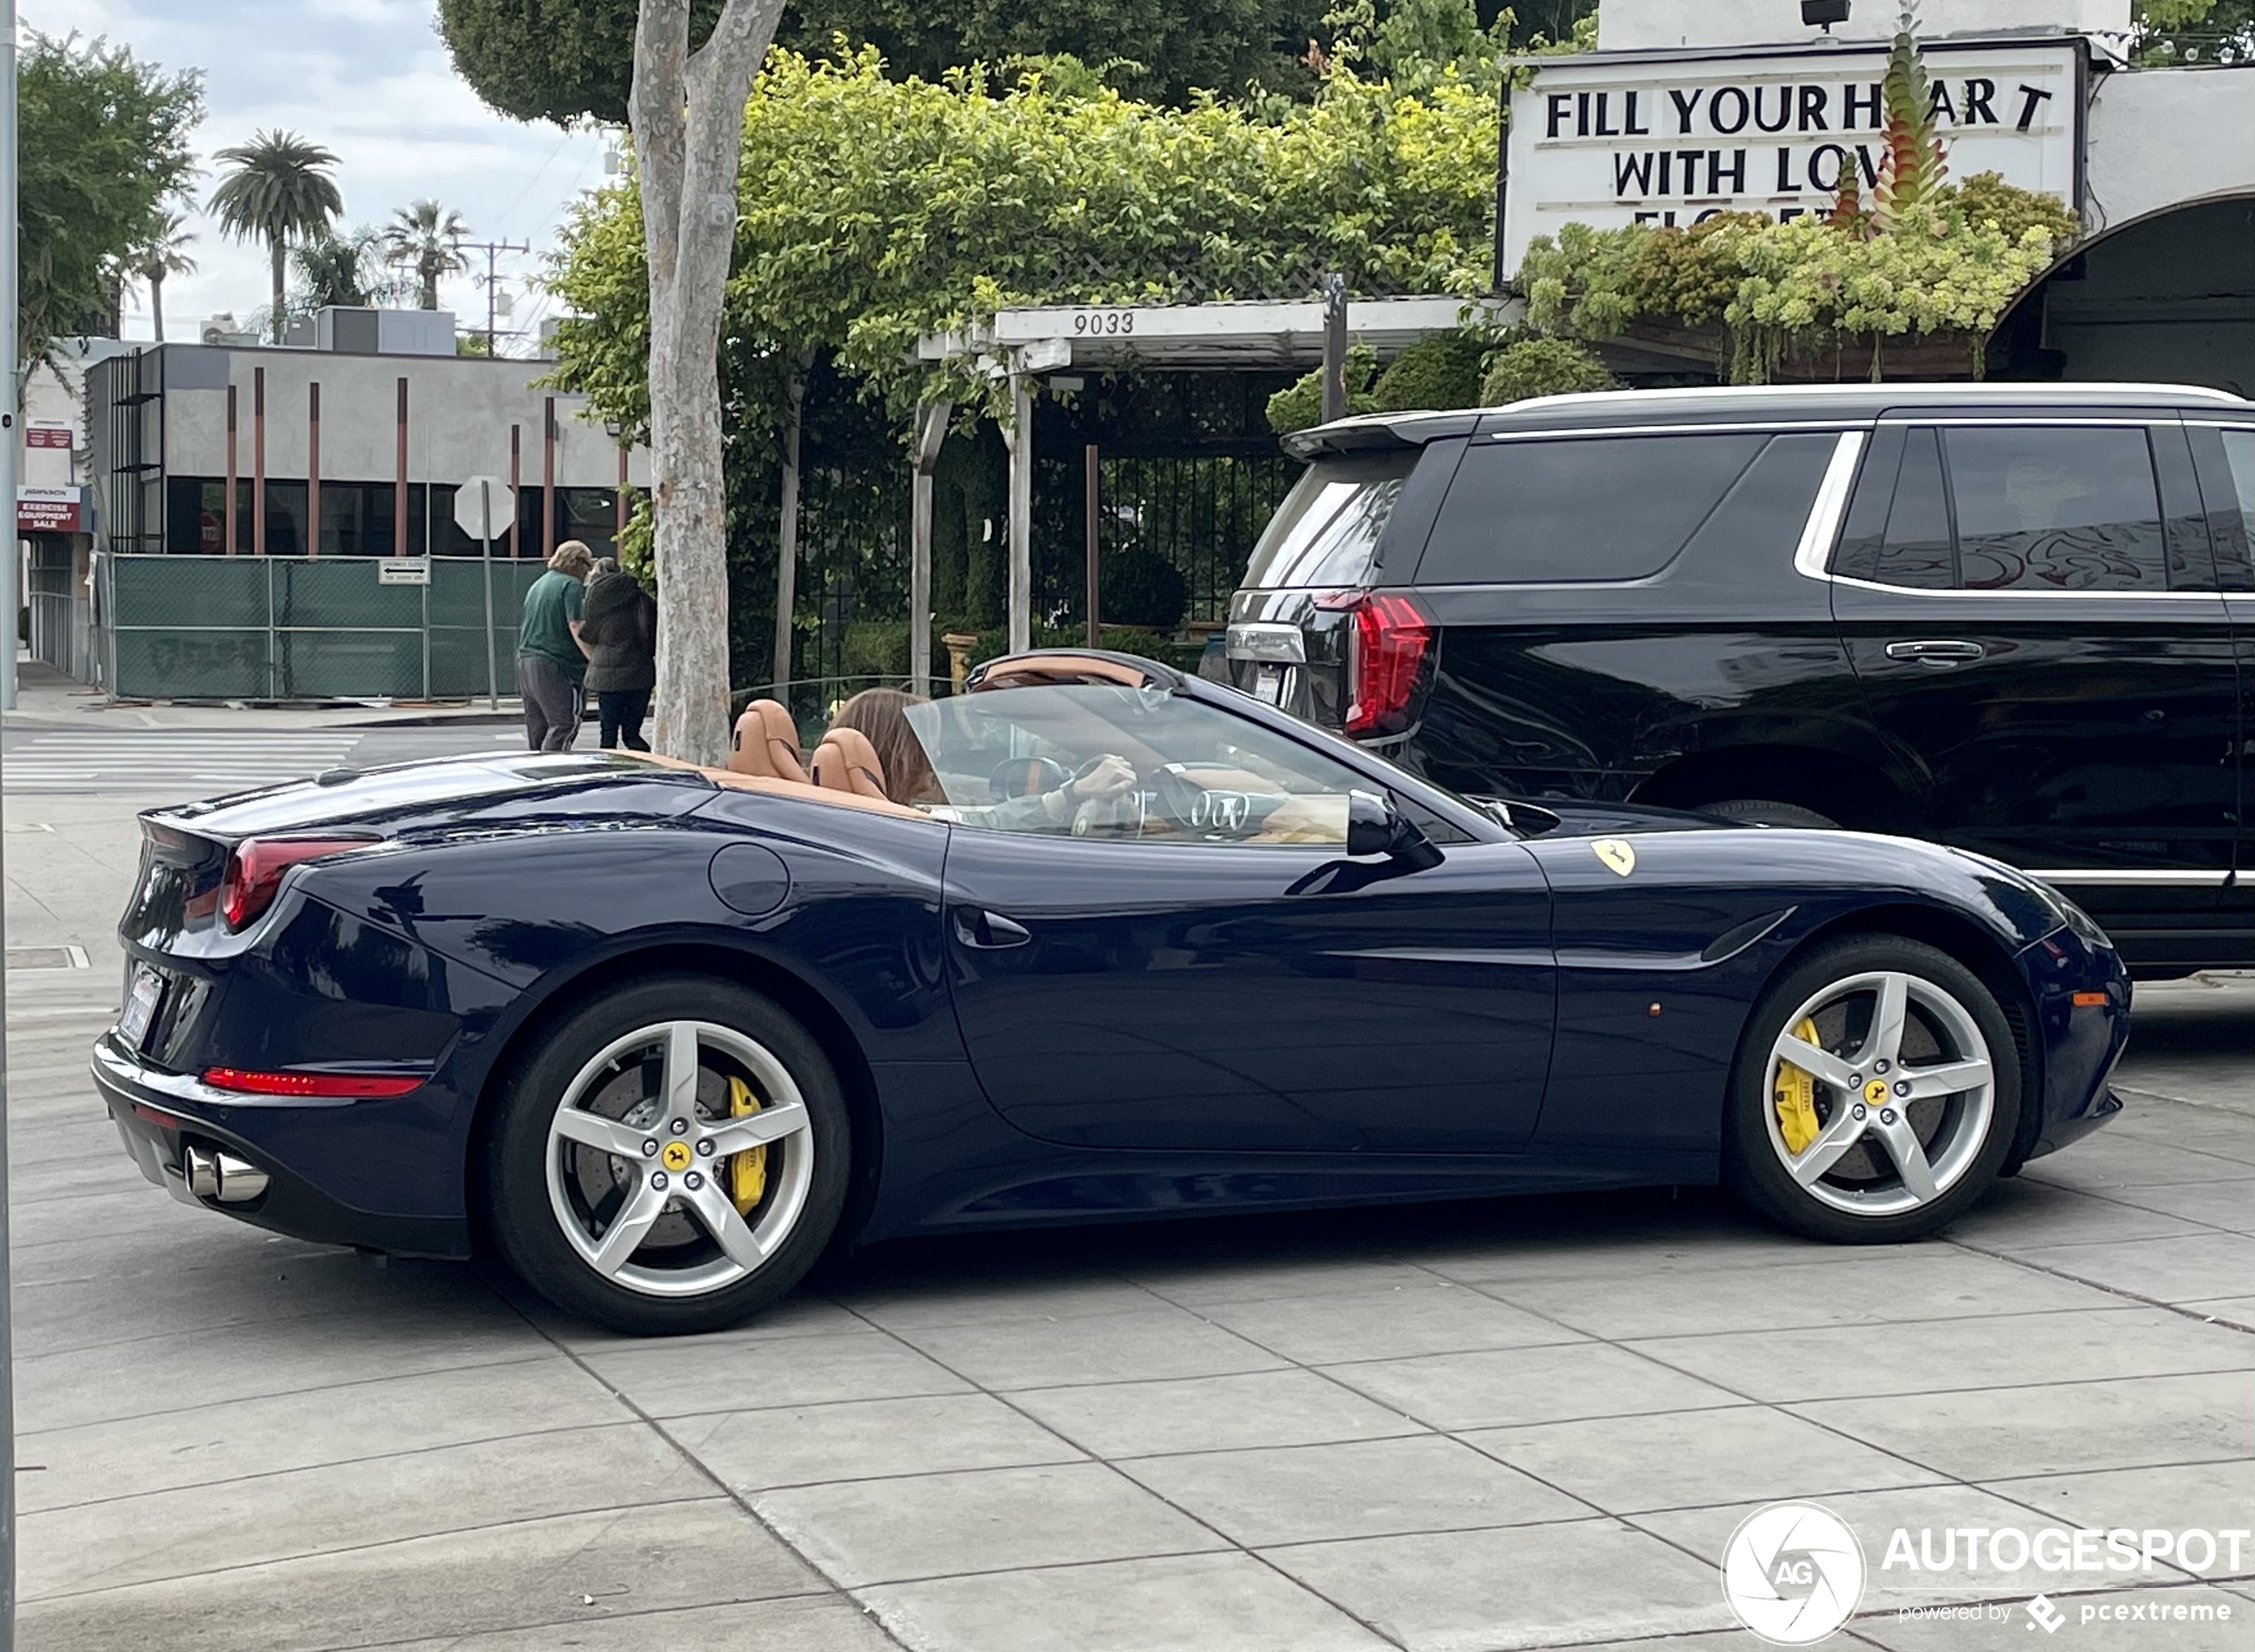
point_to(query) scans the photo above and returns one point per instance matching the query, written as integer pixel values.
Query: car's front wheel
(1876, 1092)
(672, 1157)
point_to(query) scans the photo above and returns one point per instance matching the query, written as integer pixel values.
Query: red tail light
(309, 1083)
(1385, 659)
(255, 870)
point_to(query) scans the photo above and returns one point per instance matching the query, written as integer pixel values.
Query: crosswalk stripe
(209, 760)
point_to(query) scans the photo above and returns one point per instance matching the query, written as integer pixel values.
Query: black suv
(2018, 619)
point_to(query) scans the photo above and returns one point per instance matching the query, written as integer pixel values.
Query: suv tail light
(1386, 657)
(254, 871)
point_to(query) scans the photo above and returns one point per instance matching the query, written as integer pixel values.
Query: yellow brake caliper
(1796, 1097)
(747, 1170)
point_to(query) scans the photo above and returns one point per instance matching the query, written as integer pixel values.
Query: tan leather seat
(766, 743)
(845, 762)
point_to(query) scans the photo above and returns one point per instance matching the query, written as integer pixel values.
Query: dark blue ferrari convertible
(1140, 946)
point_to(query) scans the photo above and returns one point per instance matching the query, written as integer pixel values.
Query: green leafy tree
(103, 147)
(2164, 32)
(426, 239)
(333, 269)
(562, 59)
(163, 252)
(278, 190)
(1541, 367)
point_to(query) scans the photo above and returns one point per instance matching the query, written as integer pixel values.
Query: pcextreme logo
(1792, 1572)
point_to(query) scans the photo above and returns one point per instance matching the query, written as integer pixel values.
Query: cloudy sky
(370, 80)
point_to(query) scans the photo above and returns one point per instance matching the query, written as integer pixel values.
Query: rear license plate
(144, 988)
(1268, 685)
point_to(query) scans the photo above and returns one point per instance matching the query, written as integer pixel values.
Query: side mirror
(1374, 826)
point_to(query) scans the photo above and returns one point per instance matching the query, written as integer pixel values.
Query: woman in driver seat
(880, 714)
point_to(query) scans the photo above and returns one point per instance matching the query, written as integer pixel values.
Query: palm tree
(280, 192)
(427, 238)
(163, 252)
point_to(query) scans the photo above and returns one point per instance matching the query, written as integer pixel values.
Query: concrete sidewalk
(46, 698)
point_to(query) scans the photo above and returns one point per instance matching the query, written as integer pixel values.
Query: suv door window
(1559, 511)
(2048, 507)
(1917, 550)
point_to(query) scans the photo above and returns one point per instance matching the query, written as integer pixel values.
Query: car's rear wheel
(672, 1157)
(1875, 1094)
(1767, 811)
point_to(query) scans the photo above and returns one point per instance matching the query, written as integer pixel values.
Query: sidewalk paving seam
(371, 1548)
(585, 1621)
(727, 1493)
(1940, 1477)
(279, 1394)
(1228, 1544)
(2111, 1290)
(341, 1462)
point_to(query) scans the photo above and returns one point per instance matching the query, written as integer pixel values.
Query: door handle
(989, 931)
(1936, 652)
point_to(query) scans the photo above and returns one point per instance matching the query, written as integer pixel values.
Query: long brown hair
(882, 714)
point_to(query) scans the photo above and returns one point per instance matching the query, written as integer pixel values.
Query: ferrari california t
(1136, 946)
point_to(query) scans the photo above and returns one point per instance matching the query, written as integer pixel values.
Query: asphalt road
(1520, 1423)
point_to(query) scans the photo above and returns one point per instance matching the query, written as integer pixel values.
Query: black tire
(1769, 812)
(1972, 1138)
(524, 1220)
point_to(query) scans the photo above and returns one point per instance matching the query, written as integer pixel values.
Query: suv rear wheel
(1875, 1094)
(1767, 811)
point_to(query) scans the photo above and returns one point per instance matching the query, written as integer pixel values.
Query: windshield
(1100, 759)
(1326, 533)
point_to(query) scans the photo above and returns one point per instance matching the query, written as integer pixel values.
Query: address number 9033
(1089, 323)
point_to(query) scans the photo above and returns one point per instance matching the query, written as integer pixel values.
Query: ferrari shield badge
(1618, 855)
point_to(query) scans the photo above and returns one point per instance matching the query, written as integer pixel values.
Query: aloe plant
(1913, 168)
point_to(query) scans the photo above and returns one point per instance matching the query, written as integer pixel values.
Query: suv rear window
(1324, 535)
(1547, 512)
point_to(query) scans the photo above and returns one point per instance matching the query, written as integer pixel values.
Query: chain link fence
(286, 628)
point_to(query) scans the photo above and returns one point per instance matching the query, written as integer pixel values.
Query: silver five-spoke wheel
(679, 1158)
(1882, 1088)
(1877, 1091)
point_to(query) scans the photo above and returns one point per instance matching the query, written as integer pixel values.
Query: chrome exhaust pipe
(239, 1180)
(202, 1172)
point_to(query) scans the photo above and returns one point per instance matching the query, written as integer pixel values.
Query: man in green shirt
(551, 661)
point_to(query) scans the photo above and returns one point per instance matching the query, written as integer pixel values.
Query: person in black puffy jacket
(618, 624)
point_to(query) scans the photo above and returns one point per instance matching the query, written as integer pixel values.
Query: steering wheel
(1177, 797)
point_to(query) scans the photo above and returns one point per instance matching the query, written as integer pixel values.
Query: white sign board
(402, 571)
(1675, 140)
(478, 496)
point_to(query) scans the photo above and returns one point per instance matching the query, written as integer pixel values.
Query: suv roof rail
(1368, 432)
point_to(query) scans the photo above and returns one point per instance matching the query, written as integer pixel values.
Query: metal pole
(485, 558)
(1088, 507)
(8, 396)
(1019, 440)
(1334, 348)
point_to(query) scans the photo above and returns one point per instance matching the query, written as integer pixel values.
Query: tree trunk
(687, 114)
(275, 247)
(157, 303)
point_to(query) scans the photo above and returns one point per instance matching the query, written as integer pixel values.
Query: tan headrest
(766, 743)
(845, 762)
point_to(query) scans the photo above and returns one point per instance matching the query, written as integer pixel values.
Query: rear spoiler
(1379, 432)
